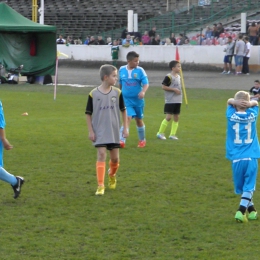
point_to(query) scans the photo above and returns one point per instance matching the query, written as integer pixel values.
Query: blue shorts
(228, 59)
(244, 175)
(239, 60)
(135, 112)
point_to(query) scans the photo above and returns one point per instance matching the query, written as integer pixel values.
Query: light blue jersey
(2, 126)
(242, 141)
(132, 82)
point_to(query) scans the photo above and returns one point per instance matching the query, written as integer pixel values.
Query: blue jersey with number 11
(242, 141)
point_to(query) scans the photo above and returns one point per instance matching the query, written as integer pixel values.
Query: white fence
(211, 55)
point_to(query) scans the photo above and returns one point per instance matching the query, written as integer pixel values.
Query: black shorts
(109, 146)
(172, 108)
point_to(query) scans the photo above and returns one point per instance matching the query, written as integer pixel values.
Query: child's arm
(5, 142)
(91, 134)
(176, 90)
(142, 93)
(124, 119)
(242, 103)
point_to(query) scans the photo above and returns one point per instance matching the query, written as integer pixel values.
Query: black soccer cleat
(18, 186)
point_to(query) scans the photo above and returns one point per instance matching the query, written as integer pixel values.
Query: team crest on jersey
(135, 75)
(113, 99)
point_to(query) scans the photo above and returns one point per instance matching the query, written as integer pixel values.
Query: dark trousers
(245, 69)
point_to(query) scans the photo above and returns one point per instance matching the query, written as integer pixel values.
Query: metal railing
(191, 19)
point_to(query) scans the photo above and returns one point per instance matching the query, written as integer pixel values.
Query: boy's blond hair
(242, 95)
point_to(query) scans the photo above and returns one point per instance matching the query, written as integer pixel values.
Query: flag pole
(56, 77)
(56, 73)
(177, 57)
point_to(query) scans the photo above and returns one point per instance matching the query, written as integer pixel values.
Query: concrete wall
(202, 55)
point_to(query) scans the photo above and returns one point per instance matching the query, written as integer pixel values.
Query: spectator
(100, 40)
(137, 41)
(253, 34)
(245, 69)
(220, 28)
(119, 41)
(168, 42)
(156, 40)
(138, 35)
(114, 52)
(109, 41)
(229, 50)
(239, 52)
(215, 33)
(70, 40)
(128, 40)
(208, 33)
(60, 40)
(86, 41)
(152, 33)
(186, 42)
(247, 25)
(92, 41)
(173, 39)
(78, 41)
(145, 38)
(182, 39)
(124, 33)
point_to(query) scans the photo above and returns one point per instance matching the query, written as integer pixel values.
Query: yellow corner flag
(177, 57)
(62, 54)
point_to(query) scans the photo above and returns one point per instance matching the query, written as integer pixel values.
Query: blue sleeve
(230, 111)
(2, 117)
(144, 78)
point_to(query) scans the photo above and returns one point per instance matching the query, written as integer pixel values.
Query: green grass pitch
(174, 199)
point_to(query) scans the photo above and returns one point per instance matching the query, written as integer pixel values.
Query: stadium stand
(79, 18)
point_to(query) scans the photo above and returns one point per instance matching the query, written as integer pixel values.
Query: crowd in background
(148, 38)
(215, 34)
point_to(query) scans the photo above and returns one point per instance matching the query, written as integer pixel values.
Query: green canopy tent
(23, 41)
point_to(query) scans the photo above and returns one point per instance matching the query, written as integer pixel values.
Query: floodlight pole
(41, 12)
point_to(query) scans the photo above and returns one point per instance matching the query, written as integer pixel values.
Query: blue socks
(141, 132)
(7, 177)
(246, 199)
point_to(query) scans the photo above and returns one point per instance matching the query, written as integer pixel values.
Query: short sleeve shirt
(132, 82)
(241, 140)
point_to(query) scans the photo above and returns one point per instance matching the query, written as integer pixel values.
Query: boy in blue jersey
(134, 83)
(16, 182)
(242, 149)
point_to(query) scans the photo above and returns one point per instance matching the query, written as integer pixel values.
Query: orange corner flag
(177, 56)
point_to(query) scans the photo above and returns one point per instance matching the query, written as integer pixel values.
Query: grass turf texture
(174, 199)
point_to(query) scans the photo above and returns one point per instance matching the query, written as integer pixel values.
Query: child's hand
(177, 91)
(92, 136)
(125, 133)
(243, 103)
(6, 144)
(141, 95)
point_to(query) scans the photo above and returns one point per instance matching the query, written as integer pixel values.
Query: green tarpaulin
(23, 41)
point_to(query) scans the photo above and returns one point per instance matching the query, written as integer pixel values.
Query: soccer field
(174, 199)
